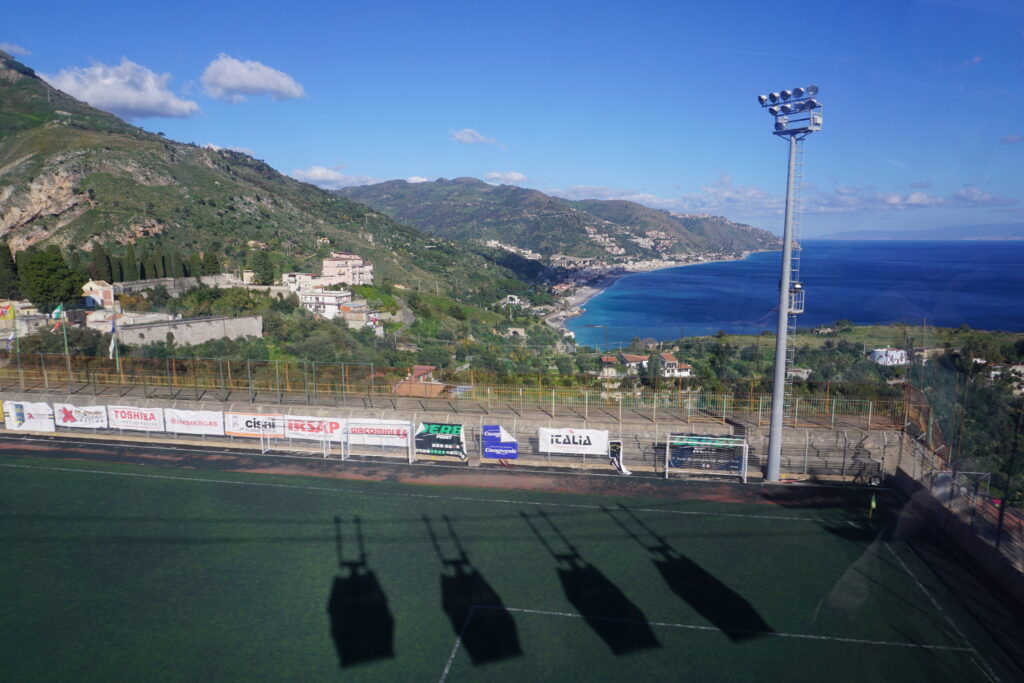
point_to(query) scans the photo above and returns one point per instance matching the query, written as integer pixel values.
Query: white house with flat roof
(323, 302)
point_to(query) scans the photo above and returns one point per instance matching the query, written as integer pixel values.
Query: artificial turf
(120, 572)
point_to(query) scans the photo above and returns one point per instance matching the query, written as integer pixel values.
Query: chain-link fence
(363, 385)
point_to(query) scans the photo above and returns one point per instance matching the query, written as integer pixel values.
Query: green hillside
(467, 208)
(77, 177)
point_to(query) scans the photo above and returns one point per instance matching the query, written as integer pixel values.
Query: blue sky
(656, 102)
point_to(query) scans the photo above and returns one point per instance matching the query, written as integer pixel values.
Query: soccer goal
(706, 455)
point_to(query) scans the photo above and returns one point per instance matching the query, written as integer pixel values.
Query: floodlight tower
(797, 114)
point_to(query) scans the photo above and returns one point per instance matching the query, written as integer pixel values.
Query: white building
(347, 269)
(890, 356)
(298, 282)
(98, 294)
(326, 303)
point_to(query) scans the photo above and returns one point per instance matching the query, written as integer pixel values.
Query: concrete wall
(193, 331)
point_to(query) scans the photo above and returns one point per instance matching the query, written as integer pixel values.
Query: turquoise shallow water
(980, 284)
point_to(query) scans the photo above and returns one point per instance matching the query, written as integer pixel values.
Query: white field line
(394, 494)
(458, 642)
(693, 627)
(979, 660)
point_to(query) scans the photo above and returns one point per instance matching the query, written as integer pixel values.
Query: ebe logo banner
(498, 443)
(435, 438)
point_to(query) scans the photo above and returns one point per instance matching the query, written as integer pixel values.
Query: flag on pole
(7, 312)
(113, 338)
(58, 315)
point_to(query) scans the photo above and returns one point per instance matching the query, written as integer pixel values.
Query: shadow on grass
(726, 609)
(606, 609)
(476, 612)
(362, 627)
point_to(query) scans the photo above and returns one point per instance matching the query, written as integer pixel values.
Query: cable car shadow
(362, 626)
(477, 614)
(726, 609)
(606, 609)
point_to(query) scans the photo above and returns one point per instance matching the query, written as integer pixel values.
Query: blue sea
(980, 284)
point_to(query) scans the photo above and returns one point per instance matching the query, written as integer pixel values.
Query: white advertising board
(28, 417)
(80, 417)
(314, 428)
(578, 441)
(254, 424)
(138, 419)
(367, 432)
(194, 421)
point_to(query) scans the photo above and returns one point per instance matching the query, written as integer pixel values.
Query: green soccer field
(118, 572)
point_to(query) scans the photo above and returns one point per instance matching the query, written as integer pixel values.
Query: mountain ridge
(468, 208)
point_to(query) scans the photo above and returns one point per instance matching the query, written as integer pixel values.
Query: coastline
(569, 307)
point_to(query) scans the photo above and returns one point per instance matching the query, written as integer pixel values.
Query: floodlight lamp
(786, 94)
(761, 99)
(773, 96)
(812, 90)
(786, 109)
(798, 92)
(812, 104)
(797, 106)
(774, 111)
(781, 123)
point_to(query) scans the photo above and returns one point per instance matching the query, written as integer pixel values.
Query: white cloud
(129, 90)
(243, 150)
(468, 136)
(331, 178)
(506, 177)
(230, 79)
(725, 198)
(416, 179)
(14, 49)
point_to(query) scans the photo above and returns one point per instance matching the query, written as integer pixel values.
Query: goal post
(705, 454)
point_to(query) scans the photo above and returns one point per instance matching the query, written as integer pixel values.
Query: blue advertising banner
(499, 444)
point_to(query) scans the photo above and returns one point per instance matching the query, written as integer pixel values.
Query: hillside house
(671, 367)
(343, 268)
(889, 357)
(98, 294)
(324, 303)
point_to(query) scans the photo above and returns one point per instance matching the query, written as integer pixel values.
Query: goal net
(700, 454)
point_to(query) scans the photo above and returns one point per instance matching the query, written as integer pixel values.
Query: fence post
(314, 382)
(195, 380)
(42, 364)
(167, 376)
(488, 400)
(807, 448)
(833, 425)
(552, 403)
(871, 406)
(277, 379)
(223, 387)
(796, 412)
(248, 372)
(586, 405)
(305, 380)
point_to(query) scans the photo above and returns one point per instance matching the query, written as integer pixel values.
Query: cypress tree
(116, 269)
(211, 263)
(8, 274)
(131, 268)
(177, 267)
(99, 264)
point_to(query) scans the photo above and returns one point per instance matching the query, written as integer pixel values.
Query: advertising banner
(367, 432)
(194, 421)
(435, 438)
(314, 428)
(253, 424)
(139, 419)
(80, 417)
(28, 417)
(499, 444)
(579, 441)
